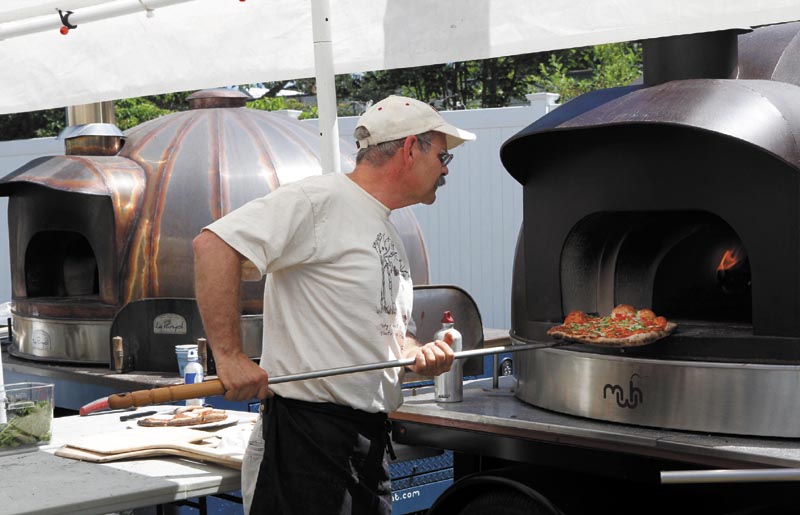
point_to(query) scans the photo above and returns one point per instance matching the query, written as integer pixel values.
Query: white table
(39, 482)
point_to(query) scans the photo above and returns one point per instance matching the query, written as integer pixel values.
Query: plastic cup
(182, 352)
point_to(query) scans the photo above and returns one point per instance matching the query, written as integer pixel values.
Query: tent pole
(326, 86)
(97, 12)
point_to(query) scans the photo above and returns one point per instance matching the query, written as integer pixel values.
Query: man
(338, 293)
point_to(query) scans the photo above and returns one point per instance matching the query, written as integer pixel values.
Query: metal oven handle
(674, 477)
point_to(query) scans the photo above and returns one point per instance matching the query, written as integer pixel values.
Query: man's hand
(433, 358)
(242, 378)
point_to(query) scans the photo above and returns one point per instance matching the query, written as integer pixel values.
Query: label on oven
(169, 323)
(40, 340)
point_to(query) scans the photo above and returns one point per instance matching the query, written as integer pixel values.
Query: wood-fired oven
(681, 194)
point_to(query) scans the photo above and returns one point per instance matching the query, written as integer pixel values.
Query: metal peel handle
(214, 387)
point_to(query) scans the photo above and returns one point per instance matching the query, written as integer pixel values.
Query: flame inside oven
(729, 260)
(733, 271)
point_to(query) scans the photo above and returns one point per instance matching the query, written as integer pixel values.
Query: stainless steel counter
(498, 413)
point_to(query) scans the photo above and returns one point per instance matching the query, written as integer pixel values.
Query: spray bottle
(449, 386)
(193, 373)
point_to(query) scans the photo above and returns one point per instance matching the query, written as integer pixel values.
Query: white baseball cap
(396, 117)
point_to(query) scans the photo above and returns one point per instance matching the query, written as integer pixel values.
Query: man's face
(429, 171)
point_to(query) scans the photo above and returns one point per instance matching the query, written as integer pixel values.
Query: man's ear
(409, 147)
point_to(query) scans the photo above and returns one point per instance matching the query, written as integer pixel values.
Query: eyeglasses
(444, 156)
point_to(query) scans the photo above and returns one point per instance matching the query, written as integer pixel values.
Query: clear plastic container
(26, 415)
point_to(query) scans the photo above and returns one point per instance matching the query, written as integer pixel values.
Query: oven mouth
(61, 264)
(688, 266)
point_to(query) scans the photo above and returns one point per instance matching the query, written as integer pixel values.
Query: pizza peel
(213, 387)
(150, 442)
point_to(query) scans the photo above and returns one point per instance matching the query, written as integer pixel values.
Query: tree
(35, 124)
(501, 81)
(496, 82)
(605, 66)
(267, 103)
(130, 112)
(471, 84)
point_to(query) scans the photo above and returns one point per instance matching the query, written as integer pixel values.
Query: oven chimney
(707, 55)
(91, 130)
(92, 139)
(99, 112)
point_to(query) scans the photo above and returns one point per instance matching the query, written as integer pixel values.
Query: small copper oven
(100, 238)
(681, 194)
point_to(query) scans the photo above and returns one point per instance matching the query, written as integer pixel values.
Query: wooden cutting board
(149, 442)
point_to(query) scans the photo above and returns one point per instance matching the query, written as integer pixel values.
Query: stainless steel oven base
(743, 399)
(57, 340)
(87, 341)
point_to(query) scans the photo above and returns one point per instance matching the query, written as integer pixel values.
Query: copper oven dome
(93, 234)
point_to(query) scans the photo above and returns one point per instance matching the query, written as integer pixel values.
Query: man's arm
(431, 359)
(217, 268)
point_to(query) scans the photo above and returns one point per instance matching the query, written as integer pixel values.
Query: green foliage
(35, 124)
(603, 66)
(130, 112)
(268, 104)
(280, 103)
(309, 112)
(496, 82)
(501, 81)
(470, 84)
(172, 102)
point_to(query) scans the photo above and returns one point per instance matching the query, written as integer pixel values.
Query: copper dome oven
(100, 238)
(681, 194)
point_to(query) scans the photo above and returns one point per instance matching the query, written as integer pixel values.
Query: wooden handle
(179, 392)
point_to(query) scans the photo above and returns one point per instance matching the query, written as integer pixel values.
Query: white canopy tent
(117, 51)
(129, 48)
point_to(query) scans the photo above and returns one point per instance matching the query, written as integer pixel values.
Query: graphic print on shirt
(392, 266)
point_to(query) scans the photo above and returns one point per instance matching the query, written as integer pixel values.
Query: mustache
(441, 181)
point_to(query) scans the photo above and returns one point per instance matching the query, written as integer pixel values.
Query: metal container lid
(216, 98)
(90, 129)
(92, 139)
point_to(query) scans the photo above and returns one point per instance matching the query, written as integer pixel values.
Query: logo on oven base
(635, 396)
(169, 323)
(40, 340)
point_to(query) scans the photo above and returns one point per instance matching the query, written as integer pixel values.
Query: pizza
(624, 327)
(189, 416)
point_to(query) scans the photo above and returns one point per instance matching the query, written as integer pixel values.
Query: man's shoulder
(320, 187)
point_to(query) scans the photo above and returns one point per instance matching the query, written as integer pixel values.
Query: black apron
(322, 458)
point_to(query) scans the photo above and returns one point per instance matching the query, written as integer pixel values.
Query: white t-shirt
(338, 290)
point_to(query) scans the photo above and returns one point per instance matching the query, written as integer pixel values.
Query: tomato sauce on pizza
(625, 326)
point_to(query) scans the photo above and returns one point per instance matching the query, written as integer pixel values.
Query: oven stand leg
(495, 373)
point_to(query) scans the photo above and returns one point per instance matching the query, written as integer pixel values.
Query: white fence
(470, 232)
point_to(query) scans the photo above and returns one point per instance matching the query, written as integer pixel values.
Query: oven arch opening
(61, 264)
(685, 265)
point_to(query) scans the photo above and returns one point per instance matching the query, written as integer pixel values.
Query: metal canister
(449, 386)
